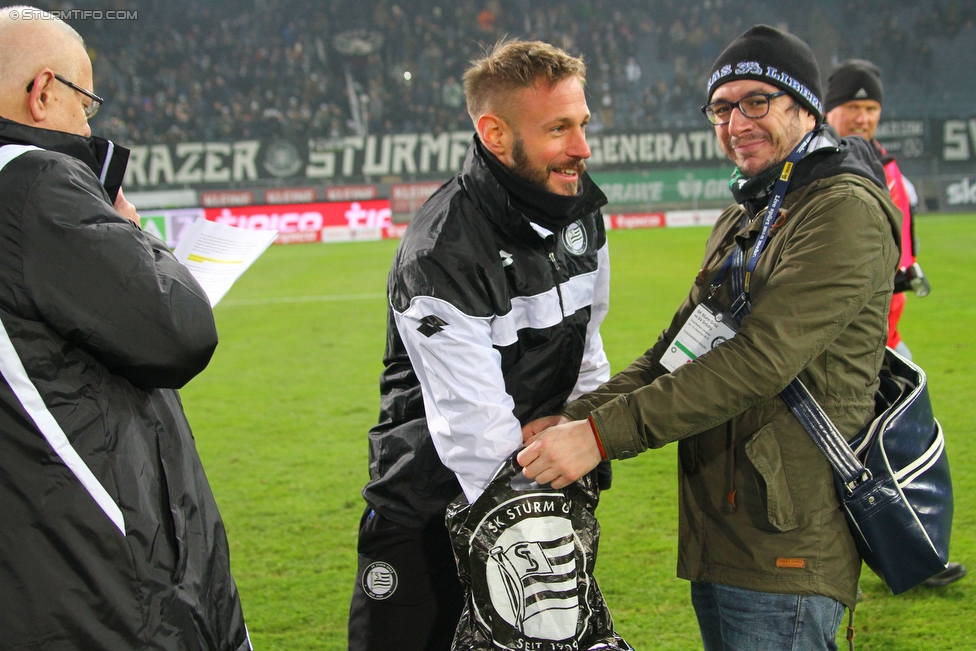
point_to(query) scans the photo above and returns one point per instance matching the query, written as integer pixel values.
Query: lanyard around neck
(742, 273)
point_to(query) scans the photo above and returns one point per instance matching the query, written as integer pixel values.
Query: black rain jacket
(110, 538)
(492, 323)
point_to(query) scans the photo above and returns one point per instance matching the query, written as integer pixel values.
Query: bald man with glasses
(111, 538)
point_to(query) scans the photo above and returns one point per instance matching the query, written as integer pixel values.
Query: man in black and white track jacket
(110, 538)
(497, 292)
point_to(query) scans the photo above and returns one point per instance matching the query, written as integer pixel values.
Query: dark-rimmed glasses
(752, 106)
(90, 109)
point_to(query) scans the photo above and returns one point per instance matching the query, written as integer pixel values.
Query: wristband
(596, 435)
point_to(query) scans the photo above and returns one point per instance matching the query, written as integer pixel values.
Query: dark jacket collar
(835, 155)
(496, 202)
(103, 157)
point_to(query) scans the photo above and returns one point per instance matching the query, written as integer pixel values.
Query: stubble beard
(522, 168)
(791, 138)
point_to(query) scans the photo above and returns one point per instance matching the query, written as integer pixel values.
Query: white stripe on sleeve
(595, 367)
(16, 376)
(469, 412)
(20, 383)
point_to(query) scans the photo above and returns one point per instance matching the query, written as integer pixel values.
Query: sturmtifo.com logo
(532, 575)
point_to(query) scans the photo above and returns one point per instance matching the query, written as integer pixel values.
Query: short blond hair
(512, 65)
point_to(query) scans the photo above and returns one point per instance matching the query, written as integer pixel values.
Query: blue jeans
(735, 619)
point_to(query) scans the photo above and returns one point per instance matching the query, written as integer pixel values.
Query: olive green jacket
(756, 497)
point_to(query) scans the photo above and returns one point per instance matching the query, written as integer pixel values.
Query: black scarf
(756, 188)
(547, 209)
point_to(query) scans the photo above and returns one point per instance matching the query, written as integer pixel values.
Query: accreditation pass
(705, 329)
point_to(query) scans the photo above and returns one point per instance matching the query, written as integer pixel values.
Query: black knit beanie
(851, 80)
(767, 54)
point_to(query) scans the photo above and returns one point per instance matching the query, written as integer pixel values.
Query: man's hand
(536, 427)
(126, 209)
(560, 455)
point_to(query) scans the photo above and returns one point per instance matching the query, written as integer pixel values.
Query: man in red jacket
(853, 106)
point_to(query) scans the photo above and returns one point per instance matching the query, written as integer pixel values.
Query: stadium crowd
(190, 71)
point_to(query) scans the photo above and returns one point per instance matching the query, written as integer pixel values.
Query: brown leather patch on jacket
(792, 563)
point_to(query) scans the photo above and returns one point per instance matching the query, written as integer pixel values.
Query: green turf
(281, 416)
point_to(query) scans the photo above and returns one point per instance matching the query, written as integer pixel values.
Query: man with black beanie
(853, 106)
(795, 282)
(855, 96)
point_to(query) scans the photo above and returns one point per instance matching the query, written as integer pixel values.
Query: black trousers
(407, 595)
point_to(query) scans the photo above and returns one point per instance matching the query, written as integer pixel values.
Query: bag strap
(833, 445)
(825, 434)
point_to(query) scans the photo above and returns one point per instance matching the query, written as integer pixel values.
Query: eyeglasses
(752, 106)
(90, 109)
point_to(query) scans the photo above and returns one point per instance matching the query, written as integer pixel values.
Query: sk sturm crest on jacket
(574, 238)
(526, 560)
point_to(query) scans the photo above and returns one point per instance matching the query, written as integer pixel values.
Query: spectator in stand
(854, 99)
(262, 57)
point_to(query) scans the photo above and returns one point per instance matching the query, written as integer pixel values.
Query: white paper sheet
(217, 254)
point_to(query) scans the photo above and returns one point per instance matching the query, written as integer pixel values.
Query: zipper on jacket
(555, 277)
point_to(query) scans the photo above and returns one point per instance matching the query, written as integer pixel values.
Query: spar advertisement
(666, 219)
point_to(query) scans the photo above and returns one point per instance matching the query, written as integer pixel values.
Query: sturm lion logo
(536, 595)
(574, 238)
(379, 580)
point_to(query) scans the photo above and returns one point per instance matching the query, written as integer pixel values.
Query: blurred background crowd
(222, 70)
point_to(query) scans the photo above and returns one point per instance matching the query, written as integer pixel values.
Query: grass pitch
(282, 412)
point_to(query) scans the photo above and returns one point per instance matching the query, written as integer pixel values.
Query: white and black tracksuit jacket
(493, 322)
(110, 538)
